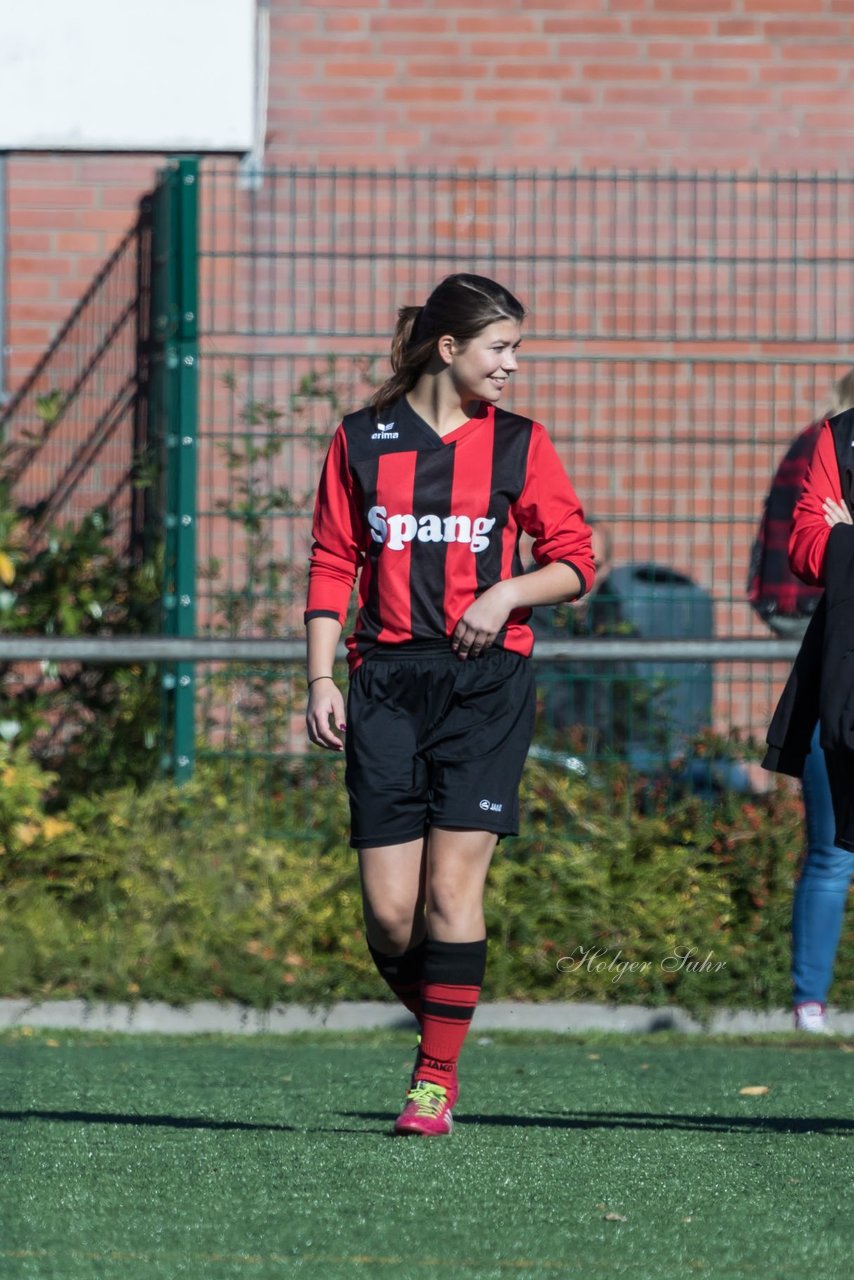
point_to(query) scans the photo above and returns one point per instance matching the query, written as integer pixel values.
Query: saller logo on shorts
(396, 530)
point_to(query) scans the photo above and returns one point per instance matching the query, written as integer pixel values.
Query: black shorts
(433, 740)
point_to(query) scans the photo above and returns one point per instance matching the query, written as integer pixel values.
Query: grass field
(143, 1157)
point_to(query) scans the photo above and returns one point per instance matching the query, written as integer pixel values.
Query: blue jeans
(822, 888)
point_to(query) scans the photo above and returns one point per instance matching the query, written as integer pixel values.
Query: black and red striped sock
(453, 975)
(403, 973)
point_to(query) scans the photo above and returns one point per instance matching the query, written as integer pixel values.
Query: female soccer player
(425, 495)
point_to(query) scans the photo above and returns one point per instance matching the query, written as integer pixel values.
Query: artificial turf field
(224, 1157)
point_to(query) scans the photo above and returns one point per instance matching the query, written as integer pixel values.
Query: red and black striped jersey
(433, 521)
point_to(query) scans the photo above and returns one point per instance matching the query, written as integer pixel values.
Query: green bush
(96, 726)
(655, 899)
(177, 894)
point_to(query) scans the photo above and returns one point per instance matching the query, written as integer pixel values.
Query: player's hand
(836, 513)
(482, 621)
(325, 713)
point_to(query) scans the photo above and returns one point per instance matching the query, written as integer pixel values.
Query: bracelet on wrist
(316, 678)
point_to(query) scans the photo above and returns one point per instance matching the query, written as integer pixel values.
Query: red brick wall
(650, 84)
(653, 83)
(66, 213)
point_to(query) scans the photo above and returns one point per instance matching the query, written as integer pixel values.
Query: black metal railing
(74, 433)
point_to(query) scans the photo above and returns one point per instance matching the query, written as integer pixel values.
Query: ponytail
(408, 359)
(407, 318)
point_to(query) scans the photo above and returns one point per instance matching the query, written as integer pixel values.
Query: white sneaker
(812, 1016)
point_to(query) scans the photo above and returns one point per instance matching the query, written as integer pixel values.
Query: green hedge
(177, 894)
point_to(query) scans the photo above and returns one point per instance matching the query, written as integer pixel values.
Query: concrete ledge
(233, 1019)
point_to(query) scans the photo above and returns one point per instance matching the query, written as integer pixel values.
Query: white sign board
(127, 75)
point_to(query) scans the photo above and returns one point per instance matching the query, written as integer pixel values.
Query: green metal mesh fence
(682, 329)
(75, 433)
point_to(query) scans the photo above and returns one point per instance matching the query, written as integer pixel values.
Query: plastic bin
(670, 702)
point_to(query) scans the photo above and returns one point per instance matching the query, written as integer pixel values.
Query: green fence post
(175, 396)
(188, 418)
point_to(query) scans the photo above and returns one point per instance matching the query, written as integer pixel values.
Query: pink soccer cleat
(427, 1111)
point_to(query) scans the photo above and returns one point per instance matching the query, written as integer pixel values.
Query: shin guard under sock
(403, 973)
(450, 988)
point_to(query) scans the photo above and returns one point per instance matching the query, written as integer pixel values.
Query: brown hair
(462, 306)
(843, 395)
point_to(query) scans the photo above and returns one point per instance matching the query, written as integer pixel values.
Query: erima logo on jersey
(384, 432)
(395, 531)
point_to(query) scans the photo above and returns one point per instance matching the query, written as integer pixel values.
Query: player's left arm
(486, 615)
(549, 510)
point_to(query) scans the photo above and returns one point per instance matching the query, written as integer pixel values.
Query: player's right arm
(325, 712)
(336, 555)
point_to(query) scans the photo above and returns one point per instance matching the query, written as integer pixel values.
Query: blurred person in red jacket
(804, 504)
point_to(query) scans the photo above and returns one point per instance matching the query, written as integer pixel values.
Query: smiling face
(481, 368)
